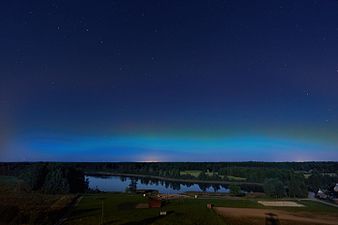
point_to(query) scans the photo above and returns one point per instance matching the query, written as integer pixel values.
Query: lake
(122, 183)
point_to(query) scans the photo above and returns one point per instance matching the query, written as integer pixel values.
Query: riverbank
(195, 181)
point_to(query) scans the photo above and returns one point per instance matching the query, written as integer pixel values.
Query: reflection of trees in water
(188, 184)
(204, 186)
(224, 186)
(132, 187)
(177, 185)
(145, 180)
(216, 187)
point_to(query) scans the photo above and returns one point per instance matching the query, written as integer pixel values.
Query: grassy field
(120, 209)
(20, 207)
(32, 208)
(8, 183)
(196, 173)
(233, 178)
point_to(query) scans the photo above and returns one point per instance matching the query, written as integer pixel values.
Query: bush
(55, 179)
(274, 188)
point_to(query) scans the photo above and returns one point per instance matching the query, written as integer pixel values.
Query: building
(336, 188)
(155, 203)
(321, 194)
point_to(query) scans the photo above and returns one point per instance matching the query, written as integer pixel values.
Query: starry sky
(168, 80)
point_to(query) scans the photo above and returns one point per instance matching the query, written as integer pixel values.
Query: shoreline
(170, 179)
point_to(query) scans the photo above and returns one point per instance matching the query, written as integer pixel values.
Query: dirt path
(68, 210)
(282, 215)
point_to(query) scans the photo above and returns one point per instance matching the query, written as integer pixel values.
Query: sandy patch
(281, 203)
(278, 214)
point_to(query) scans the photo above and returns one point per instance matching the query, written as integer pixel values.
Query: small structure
(336, 188)
(163, 213)
(210, 206)
(321, 194)
(155, 203)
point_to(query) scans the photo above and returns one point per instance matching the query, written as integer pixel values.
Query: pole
(102, 205)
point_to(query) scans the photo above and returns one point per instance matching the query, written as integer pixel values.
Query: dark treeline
(323, 167)
(274, 175)
(48, 178)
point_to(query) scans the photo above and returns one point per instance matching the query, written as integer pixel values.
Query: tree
(314, 181)
(56, 182)
(296, 186)
(55, 179)
(234, 189)
(274, 188)
(35, 176)
(202, 176)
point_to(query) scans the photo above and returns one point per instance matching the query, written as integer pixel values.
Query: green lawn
(233, 178)
(120, 209)
(194, 173)
(8, 183)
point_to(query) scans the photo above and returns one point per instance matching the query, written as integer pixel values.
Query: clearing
(281, 203)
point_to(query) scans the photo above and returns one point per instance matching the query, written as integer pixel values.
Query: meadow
(17, 206)
(196, 173)
(120, 209)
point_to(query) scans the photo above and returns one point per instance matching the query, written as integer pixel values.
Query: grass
(119, 208)
(8, 183)
(194, 173)
(233, 178)
(31, 208)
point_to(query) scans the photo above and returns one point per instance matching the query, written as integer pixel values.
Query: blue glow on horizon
(157, 148)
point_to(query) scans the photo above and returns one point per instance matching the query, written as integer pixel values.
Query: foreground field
(121, 209)
(32, 208)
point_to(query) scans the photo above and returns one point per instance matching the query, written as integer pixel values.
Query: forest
(279, 179)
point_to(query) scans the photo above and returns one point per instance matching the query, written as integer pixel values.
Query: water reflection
(123, 183)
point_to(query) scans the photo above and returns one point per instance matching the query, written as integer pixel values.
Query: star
(307, 92)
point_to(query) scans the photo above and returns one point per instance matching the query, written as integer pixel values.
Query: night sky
(168, 80)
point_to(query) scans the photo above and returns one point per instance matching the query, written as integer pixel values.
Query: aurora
(183, 81)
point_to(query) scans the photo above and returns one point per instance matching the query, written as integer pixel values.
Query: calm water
(120, 184)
